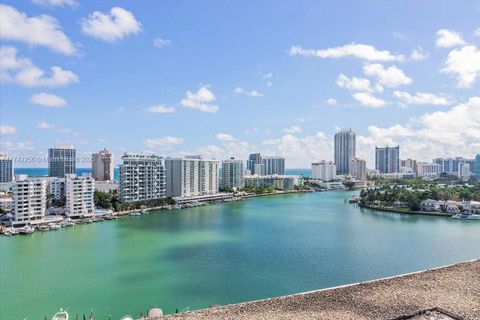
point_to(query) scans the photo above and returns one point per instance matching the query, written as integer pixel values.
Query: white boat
(135, 213)
(54, 226)
(466, 216)
(26, 230)
(126, 318)
(60, 315)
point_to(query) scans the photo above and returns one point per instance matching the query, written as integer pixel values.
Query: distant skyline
(226, 79)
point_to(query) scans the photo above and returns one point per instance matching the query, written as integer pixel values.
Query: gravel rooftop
(454, 288)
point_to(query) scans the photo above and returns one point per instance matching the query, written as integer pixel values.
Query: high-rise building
(387, 159)
(358, 169)
(463, 170)
(477, 166)
(254, 164)
(324, 170)
(273, 165)
(191, 176)
(29, 200)
(6, 168)
(345, 150)
(61, 161)
(428, 169)
(102, 165)
(232, 174)
(79, 195)
(452, 166)
(142, 177)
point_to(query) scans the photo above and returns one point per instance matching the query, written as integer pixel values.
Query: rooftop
(454, 288)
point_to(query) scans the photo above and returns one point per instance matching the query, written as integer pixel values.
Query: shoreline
(453, 287)
(395, 210)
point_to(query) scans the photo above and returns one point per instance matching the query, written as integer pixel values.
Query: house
(430, 205)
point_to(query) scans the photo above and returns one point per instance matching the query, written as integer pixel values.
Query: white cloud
(41, 30)
(293, 129)
(16, 146)
(22, 71)
(357, 84)
(331, 102)
(253, 93)
(477, 32)
(368, 100)
(388, 77)
(48, 100)
(239, 90)
(201, 100)
(299, 152)
(464, 63)
(57, 3)
(160, 43)
(45, 125)
(421, 98)
(418, 54)
(448, 38)
(111, 27)
(225, 137)
(7, 130)
(357, 50)
(167, 142)
(439, 134)
(161, 109)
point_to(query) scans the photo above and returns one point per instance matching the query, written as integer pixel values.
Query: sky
(227, 78)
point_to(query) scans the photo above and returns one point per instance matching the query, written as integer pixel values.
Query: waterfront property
(220, 254)
(191, 176)
(275, 182)
(142, 177)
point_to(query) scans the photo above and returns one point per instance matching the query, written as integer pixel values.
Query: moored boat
(26, 230)
(60, 315)
(466, 216)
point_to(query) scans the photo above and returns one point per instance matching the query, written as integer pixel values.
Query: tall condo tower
(102, 165)
(345, 149)
(61, 161)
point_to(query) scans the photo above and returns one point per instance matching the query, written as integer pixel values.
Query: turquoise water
(219, 254)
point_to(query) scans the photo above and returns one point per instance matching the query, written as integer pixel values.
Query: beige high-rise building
(191, 176)
(103, 166)
(358, 169)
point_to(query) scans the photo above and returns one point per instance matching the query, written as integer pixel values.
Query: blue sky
(225, 78)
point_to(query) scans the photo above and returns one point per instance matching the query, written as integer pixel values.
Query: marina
(220, 254)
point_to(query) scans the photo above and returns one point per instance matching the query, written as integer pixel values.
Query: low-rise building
(430, 205)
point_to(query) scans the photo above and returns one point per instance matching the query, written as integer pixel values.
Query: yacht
(466, 216)
(60, 315)
(135, 213)
(54, 226)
